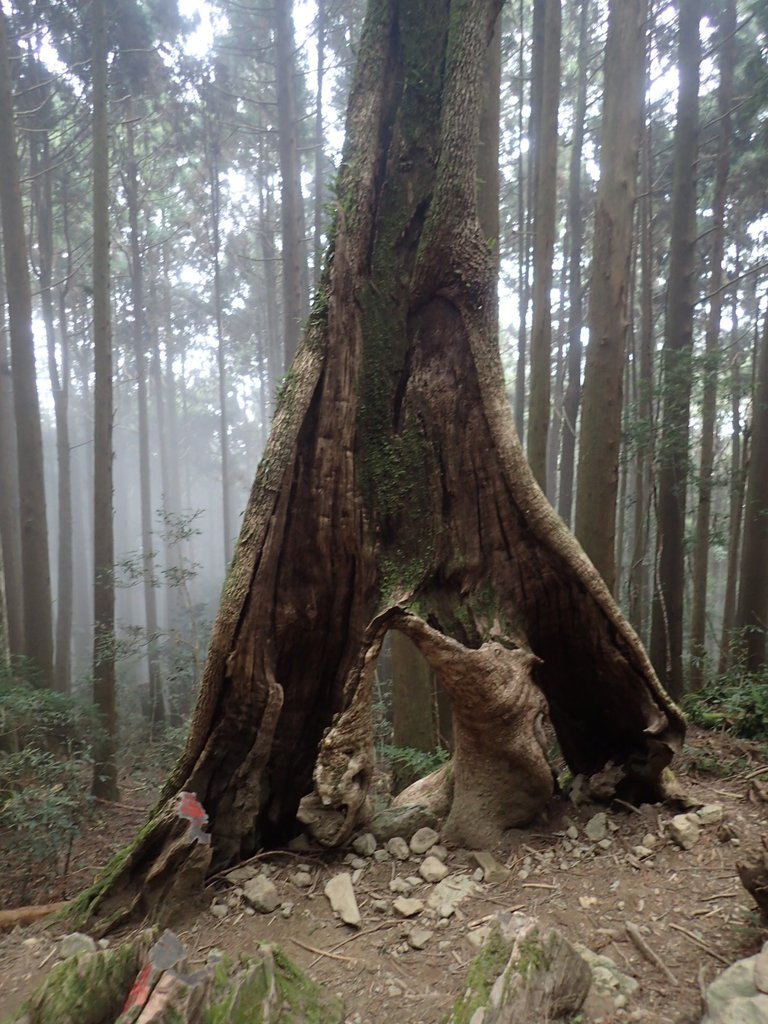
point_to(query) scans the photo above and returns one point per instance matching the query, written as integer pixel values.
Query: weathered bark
(602, 399)
(672, 449)
(394, 494)
(104, 698)
(727, 62)
(36, 588)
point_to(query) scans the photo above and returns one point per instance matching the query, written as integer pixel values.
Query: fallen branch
(324, 952)
(9, 919)
(650, 955)
(701, 944)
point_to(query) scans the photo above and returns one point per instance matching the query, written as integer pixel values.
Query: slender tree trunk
(639, 573)
(105, 763)
(320, 158)
(294, 256)
(736, 493)
(36, 580)
(157, 712)
(727, 61)
(672, 451)
(752, 609)
(545, 206)
(575, 229)
(10, 525)
(595, 524)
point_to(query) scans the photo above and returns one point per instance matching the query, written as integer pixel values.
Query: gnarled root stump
(754, 878)
(499, 777)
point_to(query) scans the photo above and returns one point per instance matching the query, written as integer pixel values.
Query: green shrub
(409, 764)
(736, 703)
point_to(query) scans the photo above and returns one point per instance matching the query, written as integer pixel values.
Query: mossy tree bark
(394, 494)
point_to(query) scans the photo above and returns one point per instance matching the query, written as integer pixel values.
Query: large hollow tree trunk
(393, 494)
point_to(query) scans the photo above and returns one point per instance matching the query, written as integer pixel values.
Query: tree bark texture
(393, 493)
(36, 580)
(752, 610)
(545, 109)
(105, 764)
(600, 436)
(672, 451)
(727, 62)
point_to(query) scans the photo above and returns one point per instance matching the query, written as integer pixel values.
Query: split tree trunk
(393, 493)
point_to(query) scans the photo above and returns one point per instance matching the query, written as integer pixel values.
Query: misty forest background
(224, 123)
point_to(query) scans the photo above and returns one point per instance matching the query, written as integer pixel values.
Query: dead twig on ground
(700, 943)
(650, 955)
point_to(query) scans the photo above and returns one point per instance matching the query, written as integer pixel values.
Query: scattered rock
(597, 827)
(380, 906)
(606, 976)
(365, 844)
(76, 943)
(237, 876)
(492, 871)
(219, 910)
(422, 840)
(451, 891)
(684, 831)
(341, 896)
(440, 852)
(709, 814)
(398, 848)
(400, 885)
(261, 894)
(301, 879)
(413, 881)
(433, 870)
(380, 856)
(418, 937)
(401, 821)
(572, 832)
(734, 998)
(287, 909)
(408, 908)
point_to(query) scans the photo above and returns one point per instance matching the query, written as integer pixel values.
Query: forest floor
(688, 904)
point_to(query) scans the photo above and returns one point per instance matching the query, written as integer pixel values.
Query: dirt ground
(691, 910)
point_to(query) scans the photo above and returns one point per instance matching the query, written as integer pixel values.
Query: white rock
(597, 827)
(433, 870)
(341, 896)
(451, 891)
(418, 937)
(239, 875)
(492, 871)
(219, 910)
(398, 848)
(380, 856)
(440, 852)
(408, 908)
(364, 845)
(380, 906)
(261, 894)
(683, 831)
(301, 879)
(709, 814)
(286, 909)
(400, 885)
(423, 840)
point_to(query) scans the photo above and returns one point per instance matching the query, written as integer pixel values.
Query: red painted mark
(193, 811)
(139, 994)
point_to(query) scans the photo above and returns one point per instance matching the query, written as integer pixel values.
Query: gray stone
(709, 814)
(398, 848)
(401, 821)
(492, 871)
(440, 852)
(597, 827)
(684, 831)
(418, 937)
(380, 906)
(286, 909)
(301, 879)
(433, 870)
(408, 908)
(341, 896)
(606, 976)
(451, 891)
(422, 840)
(239, 875)
(261, 894)
(76, 943)
(364, 845)
(380, 856)
(733, 997)
(400, 885)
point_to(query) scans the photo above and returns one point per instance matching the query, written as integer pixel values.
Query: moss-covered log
(393, 483)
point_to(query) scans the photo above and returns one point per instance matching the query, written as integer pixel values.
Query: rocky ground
(659, 899)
